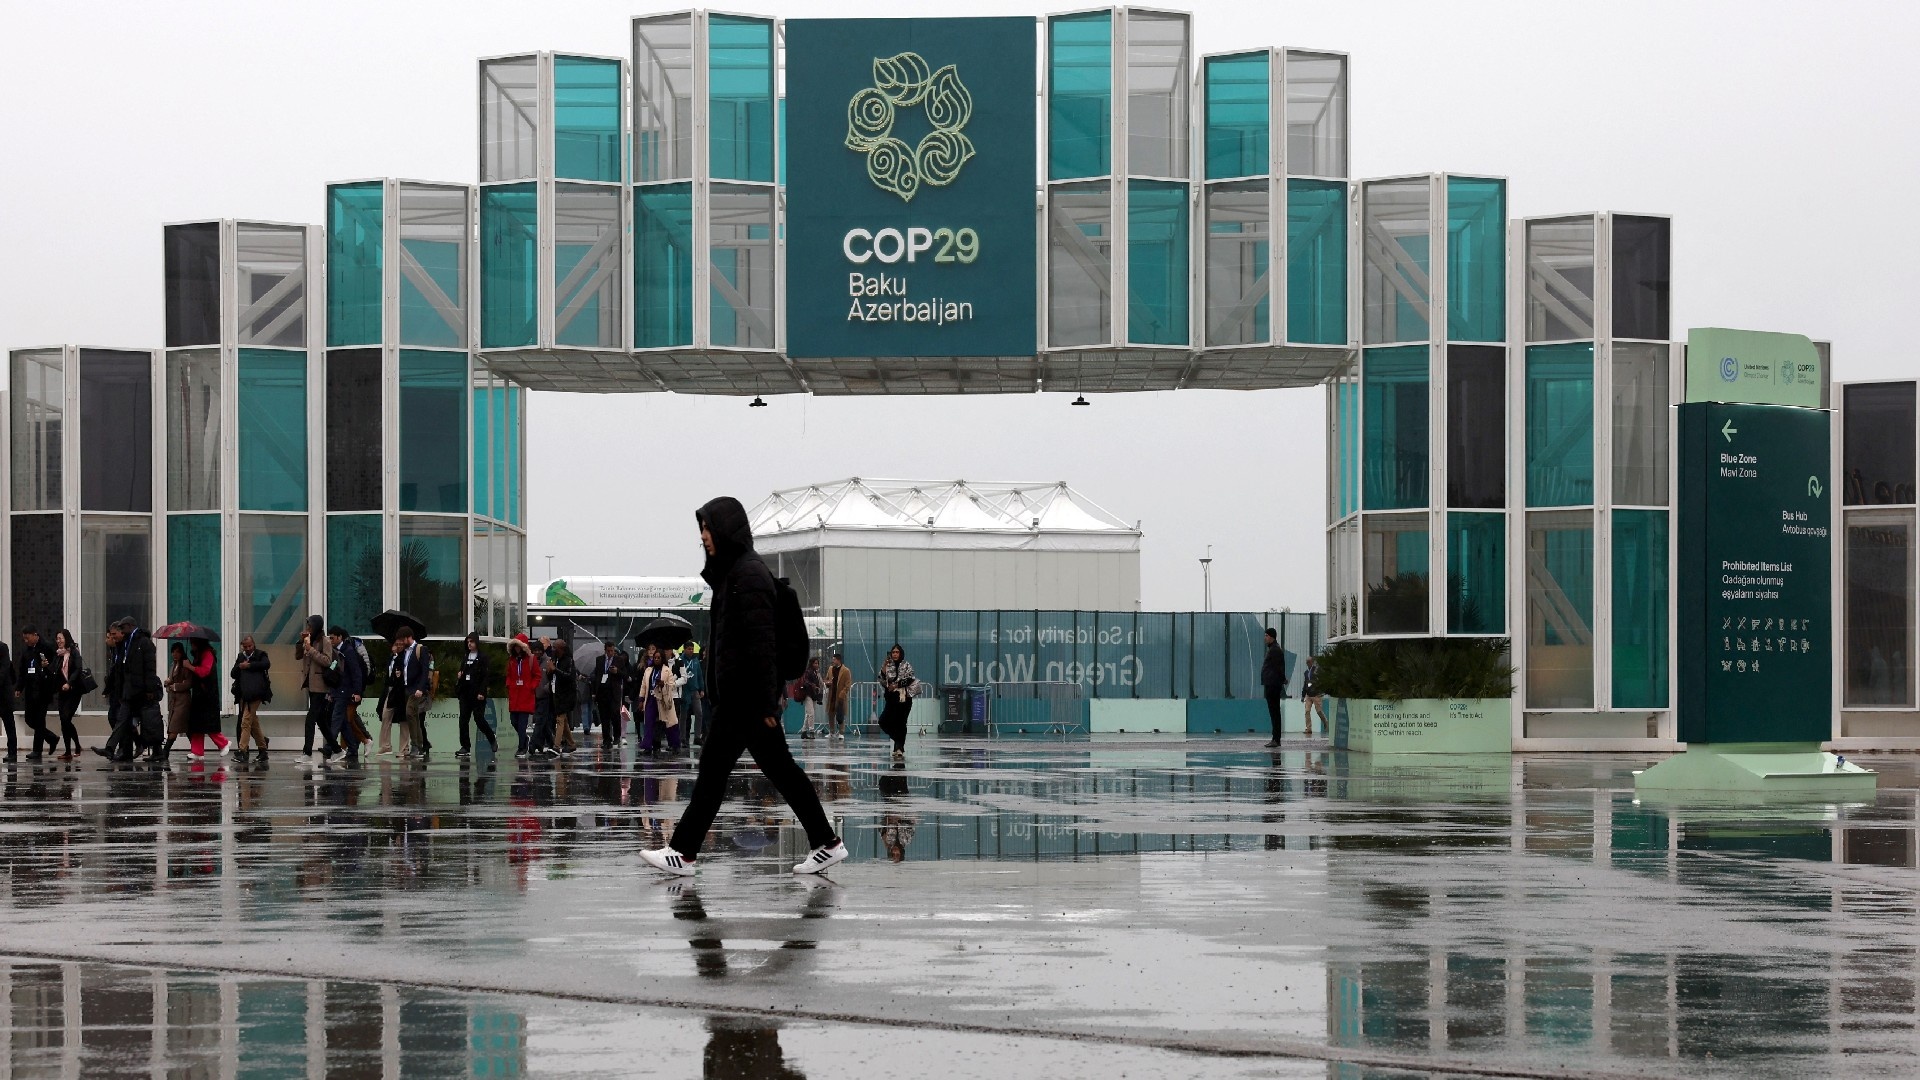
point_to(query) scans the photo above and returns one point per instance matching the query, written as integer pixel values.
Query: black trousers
(37, 725)
(69, 706)
(475, 712)
(1273, 712)
(319, 718)
(893, 719)
(6, 717)
(727, 739)
(607, 708)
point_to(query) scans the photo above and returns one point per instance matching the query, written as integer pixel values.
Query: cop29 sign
(910, 187)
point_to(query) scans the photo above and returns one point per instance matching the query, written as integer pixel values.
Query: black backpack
(791, 645)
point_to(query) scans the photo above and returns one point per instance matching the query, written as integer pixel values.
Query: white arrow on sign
(1727, 429)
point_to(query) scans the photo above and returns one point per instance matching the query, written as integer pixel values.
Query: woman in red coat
(523, 675)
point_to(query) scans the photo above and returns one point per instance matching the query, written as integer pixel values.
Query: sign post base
(1780, 770)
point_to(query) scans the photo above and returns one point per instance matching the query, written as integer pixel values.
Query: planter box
(1423, 726)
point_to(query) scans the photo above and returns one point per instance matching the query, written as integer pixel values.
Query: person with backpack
(349, 686)
(251, 688)
(471, 691)
(758, 640)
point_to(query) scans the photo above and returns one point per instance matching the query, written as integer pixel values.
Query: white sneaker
(227, 749)
(196, 757)
(672, 861)
(821, 858)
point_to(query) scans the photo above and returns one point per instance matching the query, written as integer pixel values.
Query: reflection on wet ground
(1191, 908)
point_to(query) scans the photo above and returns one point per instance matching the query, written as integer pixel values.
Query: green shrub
(1396, 669)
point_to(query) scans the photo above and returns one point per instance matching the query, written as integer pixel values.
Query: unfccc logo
(1729, 368)
(901, 82)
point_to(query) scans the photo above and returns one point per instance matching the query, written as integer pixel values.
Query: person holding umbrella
(203, 700)
(743, 685)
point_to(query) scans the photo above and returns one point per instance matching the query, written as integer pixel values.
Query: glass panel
(356, 228)
(1560, 424)
(1316, 114)
(1394, 389)
(516, 581)
(1395, 553)
(1157, 80)
(193, 430)
(39, 575)
(1237, 126)
(273, 598)
(38, 396)
(740, 96)
(273, 430)
(742, 277)
(662, 266)
(1476, 259)
(1316, 262)
(663, 98)
(1879, 606)
(354, 430)
(586, 266)
(1559, 574)
(1079, 265)
(116, 580)
(509, 265)
(1877, 454)
(271, 283)
(1642, 276)
(433, 573)
(586, 119)
(1394, 282)
(1080, 96)
(1640, 424)
(433, 432)
(1157, 272)
(486, 580)
(355, 570)
(483, 436)
(1209, 652)
(1476, 426)
(193, 569)
(1346, 439)
(1239, 249)
(1560, 280)
(433, 266)
(1477, 573)
(1639, 609)
(505, 449)
(192, 254)
(509, 119)
(516, 404)
(116, 427)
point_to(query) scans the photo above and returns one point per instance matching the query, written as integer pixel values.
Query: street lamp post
(1206, 580)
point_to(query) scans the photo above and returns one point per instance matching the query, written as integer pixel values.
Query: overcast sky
(1781, 137)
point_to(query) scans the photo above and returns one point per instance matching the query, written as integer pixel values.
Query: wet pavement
(1128, 906)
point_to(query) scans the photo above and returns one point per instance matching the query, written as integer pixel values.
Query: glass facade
(586, 118)
(586, 266)
(509, 119)
(1316, 262)
(1639, 609)
(740, 93)
(1316, 114)
(356, 245)
(193, 568)
(1476, 426)
(1560, 424)
(1344, 430)
(37, 404)
(742, 250)
(272, 553)
(1476, 573)
(433, 266)
(1079, 265)
(1395, 282)
(1876, 455)
(1640, 437)
(270, 281)
(272, 430)
(663, 98)
(1239, 264)
(1642, 271)
(1560, 279)
(1159, 66)
(356, 556)
(1080, 96)
(1394, 392)
(116, 580)
(1559, 611)
(354, 430)
(433, 572)
(663, 266)
(1476, 259)
(1879, 608)
(433, 431)
(116, 410)
(1237, 126)
(1157, 263)
(192, 257)
(1395, 556)
(37, 573)
(192, 395)
(509, 265)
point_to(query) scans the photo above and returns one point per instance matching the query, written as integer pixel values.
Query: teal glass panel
(516, 403)
(1158, 250)
(662, 266)
(509, 265)
(1079, 95)
(483, 434)
(1559, 610)
(273, 430)
(354, 258)
(586, 119)
(355, 570)
(1639, 609)
(1476, 259)
(1394, 427)
(433, 431)
(1476, 573)
(1346, 400)
(1394, 568)
(193, 568)
(503, 449)
(433, 266)
(740, 97)
(1238, 115)
(782, 106)
(1316, 262)
(1560, 424)
(433, 573)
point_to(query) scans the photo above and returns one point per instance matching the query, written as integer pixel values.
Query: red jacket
(523, 674)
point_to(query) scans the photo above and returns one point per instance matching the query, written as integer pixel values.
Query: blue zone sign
(910, 187)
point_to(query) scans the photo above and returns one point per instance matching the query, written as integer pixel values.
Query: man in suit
(609, 682)
(414, 671)
(37, 682)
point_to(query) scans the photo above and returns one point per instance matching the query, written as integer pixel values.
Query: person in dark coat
(203, 701)
(1273, 681)
(123, 732)
(743, 686)
(140, 687)
(6, 700)
(563, 692)
(38, 684)
(351, 685)
(68, 664)
(252, 687)
(610, 679)
(470, 689)
(414, 672)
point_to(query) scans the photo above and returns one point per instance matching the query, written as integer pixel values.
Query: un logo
(902, 82)
(1729, 369)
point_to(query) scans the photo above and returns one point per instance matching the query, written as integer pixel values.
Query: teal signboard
(910, 187)
(1756, 603)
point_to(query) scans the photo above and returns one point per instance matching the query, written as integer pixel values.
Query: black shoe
(462, 754)
(1274, 743)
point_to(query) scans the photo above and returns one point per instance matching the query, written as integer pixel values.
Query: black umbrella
(187, 631)
(667, 632)
(387, 624)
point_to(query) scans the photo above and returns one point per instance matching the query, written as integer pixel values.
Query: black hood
(726, 519)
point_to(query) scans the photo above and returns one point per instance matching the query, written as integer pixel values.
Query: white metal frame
(1842, 738)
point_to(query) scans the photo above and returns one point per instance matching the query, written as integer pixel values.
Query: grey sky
(1778, 135)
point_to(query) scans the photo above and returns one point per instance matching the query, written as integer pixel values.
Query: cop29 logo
(902, 82)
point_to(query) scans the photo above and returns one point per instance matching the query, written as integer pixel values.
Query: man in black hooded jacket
(743, 690)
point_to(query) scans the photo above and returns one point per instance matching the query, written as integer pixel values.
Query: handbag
(86, 683)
